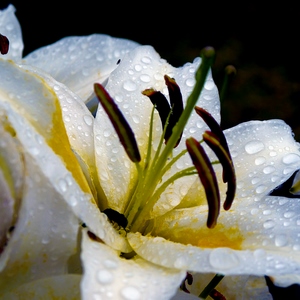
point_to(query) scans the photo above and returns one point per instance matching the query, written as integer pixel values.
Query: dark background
(261, 40)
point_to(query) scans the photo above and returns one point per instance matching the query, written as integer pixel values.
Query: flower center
(151, 168)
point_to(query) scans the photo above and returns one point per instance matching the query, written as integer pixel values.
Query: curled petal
(208, 179)
(104, 271)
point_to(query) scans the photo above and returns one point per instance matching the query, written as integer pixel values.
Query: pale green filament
(145, 193)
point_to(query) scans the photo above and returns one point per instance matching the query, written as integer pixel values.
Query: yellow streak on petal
(60, 144)
(220, 236)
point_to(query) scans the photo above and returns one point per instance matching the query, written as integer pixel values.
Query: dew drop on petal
(88, 120)
(290, 158)
(289, 214)
(254, 147)
(62, 185)
(268, 169)
(138, 67)
(110, 264)
(281, 240)
(260, 189)
(105, 277)
(129, 86)
(269, 224)
(131, 293)
(209, 85)
(145, 78)
(190, 82)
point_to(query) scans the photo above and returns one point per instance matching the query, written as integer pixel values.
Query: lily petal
(36, 249)
(258, 228)
(86, 209)
(108, 275)
(10, 27)
(79, 62)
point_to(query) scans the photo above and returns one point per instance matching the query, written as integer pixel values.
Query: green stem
(212, 284)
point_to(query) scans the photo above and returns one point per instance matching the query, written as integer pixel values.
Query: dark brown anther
(119, 122)
(208, 179)
(4, 44)
(212, 140)
(161, 104)
(213, 125)
(176, 103)
(169, 114)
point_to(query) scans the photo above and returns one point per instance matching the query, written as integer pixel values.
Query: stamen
(208, 179)
(119, 122)
(169, 115)
(4, 44)
(176, 104)
(214, 143)
(161, 104)
(214, 127)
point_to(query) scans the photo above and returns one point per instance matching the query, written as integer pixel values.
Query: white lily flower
(170, 236)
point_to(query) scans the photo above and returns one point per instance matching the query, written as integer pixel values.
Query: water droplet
(88, 120)
(255, 180)
(269, 224)
(268, 169)
(62, 185)
(180, 262)
(145, 78)
(289, 214)
(34, 151)
(223, 258)
(136, 119)
(254, 211)
(281, 240)
(290, 158)
(45, 241)
(73, 201)
(254, 147)
(105, 277)
(296, 247)
(260, 189)
(131, 293)
(110, 264)
(129, 86)
(138, 68)
(190, 82)
(146, 60)
(259, 160)
(209, 85)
